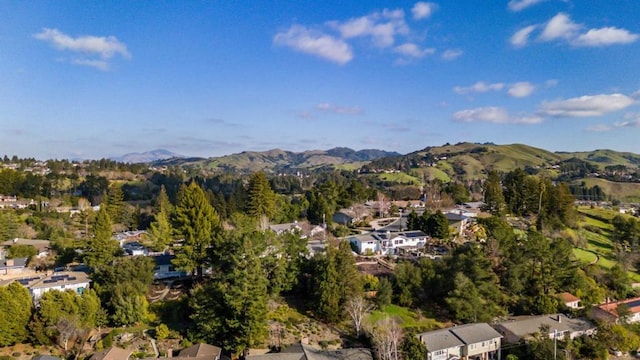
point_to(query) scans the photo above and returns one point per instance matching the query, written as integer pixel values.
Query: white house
(62, 281)
(477, 341)
(388, 243)
(164, 269)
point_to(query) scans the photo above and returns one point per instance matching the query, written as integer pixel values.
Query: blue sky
(92, 79)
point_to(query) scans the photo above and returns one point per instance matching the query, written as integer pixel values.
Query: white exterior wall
(483, 348)
(446, 354)
(78, 288)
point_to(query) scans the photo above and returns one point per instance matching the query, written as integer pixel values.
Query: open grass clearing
(408, 318)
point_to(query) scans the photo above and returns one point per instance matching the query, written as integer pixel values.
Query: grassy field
(401, 178)
(628, 192)
(597, 234)
(408, 318)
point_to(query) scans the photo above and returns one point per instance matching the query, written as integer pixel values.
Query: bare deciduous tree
(357, 308)
(387, 336)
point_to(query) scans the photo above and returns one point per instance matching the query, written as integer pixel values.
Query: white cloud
(521, 37)
(322, 45)
(105, 47)
(605, 36)
(496, 115)
(98, 64)
(598, 128)
(551, 83)
(423, 10)
(521, 89)
(381, 27)
(560, 27)
(490, 114)
(518, 5)
(584, 106)
(479, 87)
(413, 50)
(451, 54)
(344, 110)
(93, 51)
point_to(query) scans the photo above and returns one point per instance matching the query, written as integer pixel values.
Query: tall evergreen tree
(262, 199)
(115, 204)
(493, 196)
(160, 233)
(16, 308)
(101, 248)
(231, 311)
(198, 223)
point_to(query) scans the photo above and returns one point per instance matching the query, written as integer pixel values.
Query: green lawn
(407, 317)
(585, 256)
(597, 233)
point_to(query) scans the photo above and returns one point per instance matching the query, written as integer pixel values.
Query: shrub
(162, 332)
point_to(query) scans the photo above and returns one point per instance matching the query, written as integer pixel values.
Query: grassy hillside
(627, 192)
(596, 232)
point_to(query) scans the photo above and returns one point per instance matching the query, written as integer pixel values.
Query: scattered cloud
(413, 50)
(479, 87)
(96, 50)
(451, 54)
(344, 110)
(98, 64)
(495, 115)
(385, 30)
(562, 28)
(604, 37)
(585, 106)
(551, 83)
(519, 5)
(521, 89)
(423, 10)
(630, 121)
(314, 43)
(305, 115)
(598, 128)
(521, 37)
(381, 27)
(219, 121)
(490, 114)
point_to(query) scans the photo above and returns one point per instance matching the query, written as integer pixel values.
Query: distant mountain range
(147, 156)
(277, 160)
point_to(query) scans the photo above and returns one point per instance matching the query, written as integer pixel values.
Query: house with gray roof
(389, 243)
(477, 341)
(555, 325)
(306, 352)
(17, 266)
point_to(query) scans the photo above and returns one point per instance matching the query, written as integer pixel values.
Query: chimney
(559, 318)
(169, 353)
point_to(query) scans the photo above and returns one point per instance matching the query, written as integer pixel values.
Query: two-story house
(553, 326)
(477, 341)
(388, 243)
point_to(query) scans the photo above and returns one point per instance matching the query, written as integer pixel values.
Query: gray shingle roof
(440, 340)
(475, 333)
(531, 325)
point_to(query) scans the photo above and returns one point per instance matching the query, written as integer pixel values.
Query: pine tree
(101, 248)
(160, 233)
(232, 311)
(198, 223)
(493, 196)
(16, 308)
(262, 199)
(115, 204)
